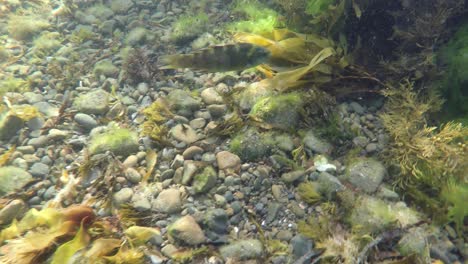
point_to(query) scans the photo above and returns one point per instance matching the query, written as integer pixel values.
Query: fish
(220, 58)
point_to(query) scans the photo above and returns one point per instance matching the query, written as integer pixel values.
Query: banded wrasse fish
(229, 57)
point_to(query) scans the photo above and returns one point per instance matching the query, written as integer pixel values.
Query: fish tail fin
(169, 62)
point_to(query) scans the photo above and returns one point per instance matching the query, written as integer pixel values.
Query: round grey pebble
(85, 121)
(39, 169)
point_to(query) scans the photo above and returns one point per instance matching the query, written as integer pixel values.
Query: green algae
(25, 27)
(188, 27)
(120, 141)
(259, 19)
(252, 145)
(205, 180)
(280, 111)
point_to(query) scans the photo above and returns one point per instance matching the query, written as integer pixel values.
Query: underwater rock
(169, 201)
(280, 111)
(185, 230)
(25, 27)
(372, 216)
(85, 121)
(120, 141)
(121, 6)
(136, 36)
(366, 174)
(9, 125)
(316, 144)
(188, 27)
(106, 68)
(328, 185)
(228, 160)
(251, 144)
(292, 176)
(94, 102)
(184, 133)
(205, 180)
(11, 210)
(415, 242)
(242, 249)
(122, 196)
(301, 245)
(13, 178)
(217, 220)
(182, 102)
(39, 169)
(211, 96)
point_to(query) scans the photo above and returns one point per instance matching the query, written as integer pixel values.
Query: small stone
(292, 176)
(57, 135)
(278, 193)
(122, 196)
(94, 102)
(132, 175)
(39, 170)
(131, 161)
(228, 160)
(38, 142)
(106, 68)
(197, 123)
(177, 162)
(328, 185)
(185, 230)
(10, 211)
(190, 152)
(243, 249)
(272, 211)
(184, 133)
(205, 180)
(141, 204)
(120, 141)
(26, 149)
(190, 168)
(211, 96)
(85, 121)
(49, 193)
(182, 102)
(169, 250)
(168, 201)
(219, 200)
(217, 110)
(316, 144)
(366, 174)
(217, 220)
(357, 108)
(301, 246)
(136, 36)
(360, 141)
(284, 235)
(9, 126)
(371, 147)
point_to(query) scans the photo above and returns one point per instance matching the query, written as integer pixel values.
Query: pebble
(132, 175)
(185, 230)
(39, 169)
(122, 196)
(366, 174)
(189, 171)
(168, 201)
(197, 123)
(10, 211)
(243, 249)
(184, 133)
(211, 96)
(85, 121)
(191, 151)
(228, 160)
(292, 176)
(131, 161)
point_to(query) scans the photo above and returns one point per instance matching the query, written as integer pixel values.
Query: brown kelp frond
(428, 154)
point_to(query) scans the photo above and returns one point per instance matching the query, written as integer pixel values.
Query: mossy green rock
(136, 36)
(251, 94)
(189, 27)
(205, 180)
(415, 242)
(182, 102)
(13, 178)
(372, 216)
(9, 125)
(106, 68)
(281, 111)
(95, 102)
(100, 12)
(120, 141)
(251, 144)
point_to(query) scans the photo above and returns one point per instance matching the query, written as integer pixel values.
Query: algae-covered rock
(94, 102)
(415, 242)
(366, 174)
(243, 249)
(9, 125)
(316, 144)
(252, 145)
(281, 111)
(120, 141)
(182, 102)
(251, 94)
(205, 180)
(13, 178)
(100, 11)
(106, 68)
(185, 230)
(371, 215)
(188, 27)
(136, 36)
(121, 6)
(184, 133)
(25, 27)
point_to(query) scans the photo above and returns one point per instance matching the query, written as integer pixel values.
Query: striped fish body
(230, 57)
